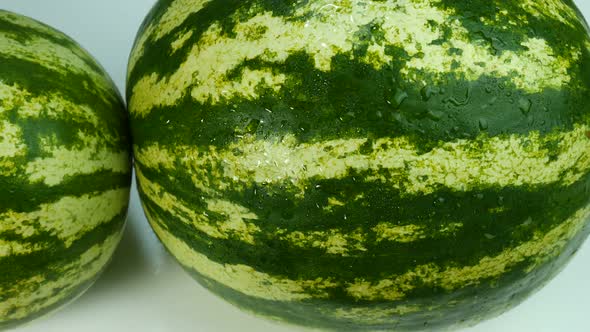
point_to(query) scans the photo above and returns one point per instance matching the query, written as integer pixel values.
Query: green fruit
(365, 164)
(65, 170)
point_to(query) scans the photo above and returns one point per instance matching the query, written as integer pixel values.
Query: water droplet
(479, 196)
(397, 117)
(500, 200)
(427, 92)
(347, 117)
(304, 126)
(434, 115)
(287, 214)
(530, 120)
(461, 101)
(366, 148)
(509, 94)
(525, 105)
(528, 221)
(375, 116)
(398, 98)
(489, 236)
(252, 126)
(501, 86)
(488, 89)
(483, 124)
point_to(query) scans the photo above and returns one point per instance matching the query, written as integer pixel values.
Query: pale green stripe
(11, 140)
(13, 247)
(65, 163)
(68, 218)
(11, 145)
(462, 165)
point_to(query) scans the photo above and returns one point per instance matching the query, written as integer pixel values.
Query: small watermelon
(65, 170)
(365, 164)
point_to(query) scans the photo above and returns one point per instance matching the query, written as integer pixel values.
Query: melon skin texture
(365, 165)
(65, 169)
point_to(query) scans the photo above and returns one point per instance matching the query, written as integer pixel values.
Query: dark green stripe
(528, 211)
(19, 195)
(516, 25)
(355, 100)
(585, 70)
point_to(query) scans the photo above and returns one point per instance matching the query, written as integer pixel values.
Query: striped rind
(248, 281)
(39, 292)
(556, 9)
(360, 165)
(537, 250)
(461, 165)
(407, 26)
(62, 161)
(65, 169)
(60, 55)
(60, 219)
(171, 19)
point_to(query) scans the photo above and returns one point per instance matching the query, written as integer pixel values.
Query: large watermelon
(65, 169)
(361, 164)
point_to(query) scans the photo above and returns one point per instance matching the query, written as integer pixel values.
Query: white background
(145, 290)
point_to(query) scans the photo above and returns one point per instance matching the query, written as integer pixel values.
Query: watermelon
(365, 165)
(65, 170)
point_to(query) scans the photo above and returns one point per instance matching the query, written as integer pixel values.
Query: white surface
(145, 290)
